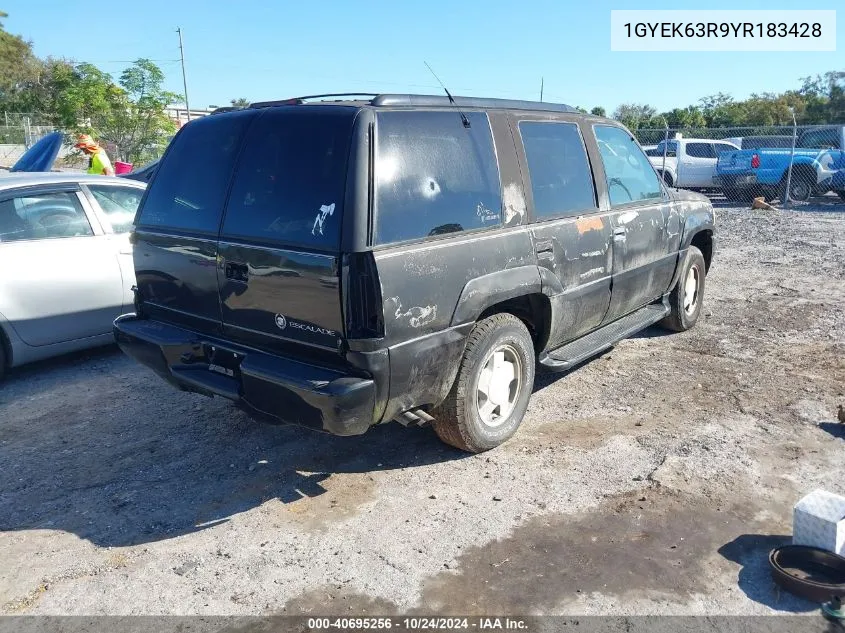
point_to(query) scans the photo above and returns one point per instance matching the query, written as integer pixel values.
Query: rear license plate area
(223, 361)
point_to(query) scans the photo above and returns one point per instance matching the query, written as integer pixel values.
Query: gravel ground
(651, 480)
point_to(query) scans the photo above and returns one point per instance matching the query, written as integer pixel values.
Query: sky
(265, 49)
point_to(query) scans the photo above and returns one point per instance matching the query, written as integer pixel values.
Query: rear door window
(119, 204)
(291, 179)
(189, 190)
(700, 150)
(434, 176)
(561, 180)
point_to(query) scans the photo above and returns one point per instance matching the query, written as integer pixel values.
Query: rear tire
(491, 391)
(687, 296)
(800, 188)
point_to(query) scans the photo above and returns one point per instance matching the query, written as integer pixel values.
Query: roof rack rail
(387, 100)
(300, 100)
(468, 102)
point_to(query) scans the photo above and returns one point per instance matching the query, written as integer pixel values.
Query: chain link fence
(793, 164)
(21, 130)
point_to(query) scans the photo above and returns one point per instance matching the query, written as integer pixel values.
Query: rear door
(572, 236)
(175, 240)
(697, 165)
(60, 279)
(280, 239)
(116, 206)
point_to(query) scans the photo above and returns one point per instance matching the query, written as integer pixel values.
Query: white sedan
(66, 268)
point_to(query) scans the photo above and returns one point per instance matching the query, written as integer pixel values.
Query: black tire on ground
(800, 188)
(458, 421)
(686, 309)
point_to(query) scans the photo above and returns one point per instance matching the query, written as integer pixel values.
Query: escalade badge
(281, 321)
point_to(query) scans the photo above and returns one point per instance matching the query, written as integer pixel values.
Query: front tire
(687, 297)
(491, 391)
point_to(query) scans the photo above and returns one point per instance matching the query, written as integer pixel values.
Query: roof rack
(386, 100)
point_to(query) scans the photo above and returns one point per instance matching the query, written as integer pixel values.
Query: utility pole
(184, 80)
(541, 90)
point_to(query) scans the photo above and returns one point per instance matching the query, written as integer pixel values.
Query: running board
(568, 355)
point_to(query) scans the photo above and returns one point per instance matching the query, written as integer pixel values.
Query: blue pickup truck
(818, 167)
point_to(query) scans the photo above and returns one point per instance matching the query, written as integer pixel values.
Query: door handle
(544, 246)
(619, 233)
(236, 272)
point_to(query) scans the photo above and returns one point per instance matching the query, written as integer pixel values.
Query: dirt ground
(652, 480)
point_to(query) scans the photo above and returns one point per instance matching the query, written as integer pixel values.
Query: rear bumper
(265, 385)
(736, 180)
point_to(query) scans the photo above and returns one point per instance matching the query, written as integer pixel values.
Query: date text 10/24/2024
(418, 624)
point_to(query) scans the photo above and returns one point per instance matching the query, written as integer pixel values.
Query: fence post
(787, 201)
(665, 148)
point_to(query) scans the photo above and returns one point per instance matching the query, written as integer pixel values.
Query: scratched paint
(417, 316)
(584, 225)
(514, 204)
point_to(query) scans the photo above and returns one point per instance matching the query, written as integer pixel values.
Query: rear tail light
(755, 161)
(364, 311)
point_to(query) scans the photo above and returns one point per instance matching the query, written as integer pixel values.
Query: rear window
(290, 182)
(189, 189)
(434, 176)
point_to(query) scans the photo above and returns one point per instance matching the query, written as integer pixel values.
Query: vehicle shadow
(835, 429)
(751, 551)
(129, 460)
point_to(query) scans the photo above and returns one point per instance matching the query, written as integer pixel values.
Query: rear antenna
(464, 119)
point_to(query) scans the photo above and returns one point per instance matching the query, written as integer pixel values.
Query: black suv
(340, 263)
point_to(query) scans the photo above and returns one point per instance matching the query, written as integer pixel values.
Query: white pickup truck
(690, 162)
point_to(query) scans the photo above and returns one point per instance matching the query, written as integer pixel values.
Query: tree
(634, 115)
(720, 110)
(240, 102)
(134, 119)
(684, 118)
(598, 111)
(18, 67)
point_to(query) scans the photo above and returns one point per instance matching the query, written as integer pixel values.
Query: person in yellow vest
(99, 162)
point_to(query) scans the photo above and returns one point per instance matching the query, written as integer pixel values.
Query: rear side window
(189, 189)
(700, 150)
(290, 183)
(119, 204)
(434, 176)
(561, 180)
